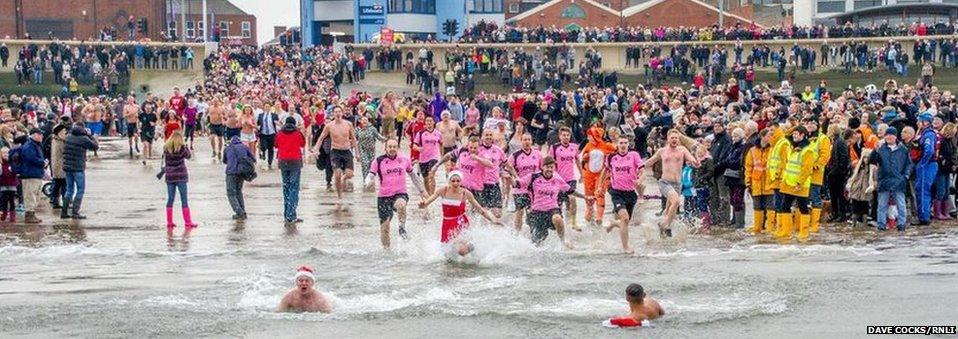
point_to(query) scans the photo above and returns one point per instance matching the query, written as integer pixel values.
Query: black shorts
(623, 200)
(763, 203)
(341, 159)
(147, 134)
(522, 201)
(426, 167)
(540, 222)
(217, 130)
(564, 196)
(131, 130)
(491, 196)
(189, 131)
(232, 132)
(387, 206)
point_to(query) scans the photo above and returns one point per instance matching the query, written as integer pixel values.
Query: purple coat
(436, 106)
(175, 166)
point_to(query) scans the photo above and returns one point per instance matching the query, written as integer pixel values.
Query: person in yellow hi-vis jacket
(757, 183)
(822, 145)
(773, 172)
(795, 185)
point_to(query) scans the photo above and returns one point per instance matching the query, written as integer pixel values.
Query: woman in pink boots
(174, 158)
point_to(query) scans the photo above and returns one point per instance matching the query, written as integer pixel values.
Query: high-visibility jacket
(797, 176)
(822, 145)
(756, 169)
(776, 162)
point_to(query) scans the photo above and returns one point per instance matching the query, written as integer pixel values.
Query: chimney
(277, 30)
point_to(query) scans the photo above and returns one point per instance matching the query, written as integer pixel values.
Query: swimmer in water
(304, 298)
(454, 218)
(641, 308)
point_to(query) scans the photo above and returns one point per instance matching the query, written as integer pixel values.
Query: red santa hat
(304, 271)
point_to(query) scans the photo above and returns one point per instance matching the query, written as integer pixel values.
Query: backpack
(16, 159)
(247, 168)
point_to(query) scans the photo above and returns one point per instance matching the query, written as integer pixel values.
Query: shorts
(131, 130)
(341, 159)
(217, 130)
(623, 200)
(763, 203)
(564, 196)
(387, 206)
(190, 129)
(666, 187)
(247, 137)
(522, 201)
(96, 128)
(491, 196)
(540, 222)
(232, 132)
(147, 134)
(426, 167)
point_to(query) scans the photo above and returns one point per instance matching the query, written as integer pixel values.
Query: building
(83, 19)
(362, 20)
(875, 11)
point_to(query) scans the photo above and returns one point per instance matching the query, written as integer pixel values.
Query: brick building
(83, 19)
(571, 14)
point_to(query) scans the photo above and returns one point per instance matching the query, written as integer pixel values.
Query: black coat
(76, 146)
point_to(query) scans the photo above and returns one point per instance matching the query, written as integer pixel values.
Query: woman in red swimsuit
(454, 218)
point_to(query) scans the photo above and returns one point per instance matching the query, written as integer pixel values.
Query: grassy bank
(8, 86)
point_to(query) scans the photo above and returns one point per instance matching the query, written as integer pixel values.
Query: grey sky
(271, 13)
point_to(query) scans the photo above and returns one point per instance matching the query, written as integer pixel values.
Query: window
(190, 29)
(607, 4)
(413, 6)
(573, 12)
(201, 29)
(487, 6)
(171, 29)
(247, 29)
(514, 8)
(225, 28)
(859, 4)
(830, 6)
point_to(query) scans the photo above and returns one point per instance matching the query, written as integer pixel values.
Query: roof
(541, 7)
(649, 4)
(897, 8)
(220, 7)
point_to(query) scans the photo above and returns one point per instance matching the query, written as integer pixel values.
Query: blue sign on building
(371, 21)
(375, 10)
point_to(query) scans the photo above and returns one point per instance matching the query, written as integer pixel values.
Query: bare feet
(628, 250)
(568, 244)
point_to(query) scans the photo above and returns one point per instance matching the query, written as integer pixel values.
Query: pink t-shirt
(525, 164)
(565, 159)
(472, 171)
(392, 174)
(624, 169)
(497, 156)
(544, 191)
(430, 144)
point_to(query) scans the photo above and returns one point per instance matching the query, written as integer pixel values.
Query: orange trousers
(597, 207)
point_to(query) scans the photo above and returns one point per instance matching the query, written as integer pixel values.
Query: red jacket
(8, 178)
(290, 144)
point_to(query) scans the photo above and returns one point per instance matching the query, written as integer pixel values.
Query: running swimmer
(491, 196)
(451, 133)
(131, 112)
(544, 190)
(148, 119)
(642, 308)
(593, 161)
(674, 157)
(304, 298)
(566, 155)
(472, 166)
(217, 114)
(343, 136)
(454, 218)
(624, 170)
(428, 143)
(523, 162)
(392, 197)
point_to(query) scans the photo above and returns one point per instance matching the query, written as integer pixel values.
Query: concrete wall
(424, 23)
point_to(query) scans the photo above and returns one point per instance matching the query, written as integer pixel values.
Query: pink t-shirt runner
(430, 145)
(391, 172)
(624, 169)
(565, 159)
(525, 164)
(497, 156)
(544, 191)
(472, 171)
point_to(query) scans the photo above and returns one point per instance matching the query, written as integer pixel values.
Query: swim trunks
(623, 200)
(540, 222)
(490, 196)
(522, 201)
(217, 129)
(666, 187)
(387, 205)
(341, 159)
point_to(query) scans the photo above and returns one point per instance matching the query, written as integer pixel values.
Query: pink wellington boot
(187, 219)
(169, 218)
(12, 216)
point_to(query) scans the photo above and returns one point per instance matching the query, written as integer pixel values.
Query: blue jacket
(233, 153)
(31, 157)
(927, 141)
(894, 166)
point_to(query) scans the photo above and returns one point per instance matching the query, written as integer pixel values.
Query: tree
(451, 28)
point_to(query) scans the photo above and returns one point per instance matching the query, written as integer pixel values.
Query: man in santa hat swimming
(304, 298)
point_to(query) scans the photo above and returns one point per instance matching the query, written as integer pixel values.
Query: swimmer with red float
(642, 309)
